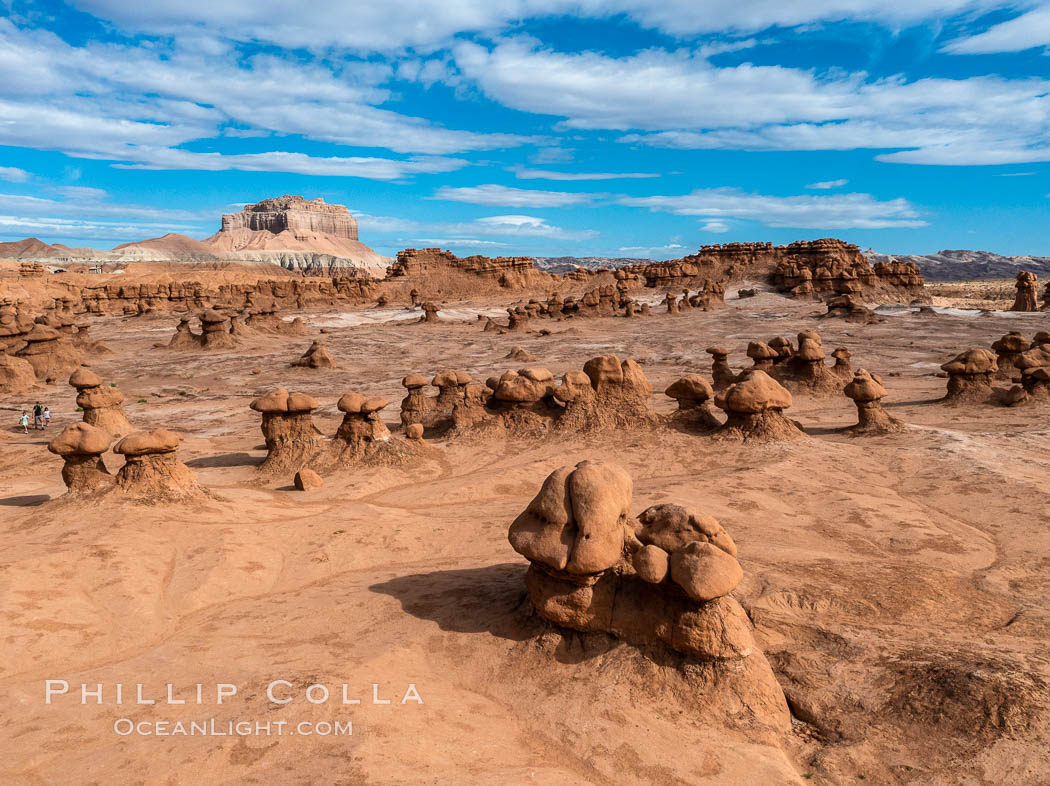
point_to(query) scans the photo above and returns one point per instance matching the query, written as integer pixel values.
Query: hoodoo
(754, 407)
(292, 439)
(152, 472)
(81, 446)
(103, 405)
(664, 578)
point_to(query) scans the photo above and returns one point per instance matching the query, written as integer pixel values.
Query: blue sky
(547, 127)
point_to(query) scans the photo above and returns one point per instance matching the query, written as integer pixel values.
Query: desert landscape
(760, 514)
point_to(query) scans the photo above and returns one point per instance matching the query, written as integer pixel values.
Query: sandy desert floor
(898, 584)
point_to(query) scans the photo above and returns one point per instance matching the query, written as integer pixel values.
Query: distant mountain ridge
(568, 264)
(963, 265)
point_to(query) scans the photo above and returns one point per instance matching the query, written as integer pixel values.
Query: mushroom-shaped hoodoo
(693, 394)
(1007, 350)
(970, 376)
(754, 409)
(416, 407)
(662, 579)
(620, 396)
(361, 420)
(722, 375)
(292, 439)
(216, 331)
(103, 405)
(81, 446)
(152, 471)
(762, 354)
(867, 392)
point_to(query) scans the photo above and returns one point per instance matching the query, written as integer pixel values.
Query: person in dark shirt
(38, 416)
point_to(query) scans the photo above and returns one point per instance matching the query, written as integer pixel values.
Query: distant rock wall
(801, 268)
(293, 214)
(505, 271)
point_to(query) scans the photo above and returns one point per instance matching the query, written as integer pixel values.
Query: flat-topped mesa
(316, 356)
(721, 374)
(970, 376)
(1007, 350)
(292, 439)
(1027, 288)
(610, 394)
(293, 214)
(81, 446)
(434, 263)
(103, 405)
(152, 471)
(662, 579)
(693, 394)
(754, 410)
(867, 392)
(51, 354)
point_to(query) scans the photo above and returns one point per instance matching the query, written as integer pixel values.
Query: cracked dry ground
(897, 584)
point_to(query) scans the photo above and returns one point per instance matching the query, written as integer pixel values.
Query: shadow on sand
(27, 501)
(491, 600)
(226, 460)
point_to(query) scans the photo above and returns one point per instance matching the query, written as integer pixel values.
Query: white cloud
(1023, 32)
(505, 196)
(300, 163)
(717, 227)
(135, 103)
(523, 173)
(423, 24)
(671, 250)
(51, 228)
(686, 102)
(825, 185)
(841, 211)
(83, 193)
(14, 174)
(38, 206)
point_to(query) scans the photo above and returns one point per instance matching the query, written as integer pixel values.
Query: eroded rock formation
(316, 356)
(152, 471)
(610, 394)
(1007, 350)
(661, 579)
(292, 439)
(754, 409)
(693, 394)
(1027, 288)
(103, 405)
(970, 376)
(51, 354)
(867, 392)
(81, 446)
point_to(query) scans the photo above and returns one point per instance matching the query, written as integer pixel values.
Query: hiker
(47, 416)
(24, 421)
(38, 416)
